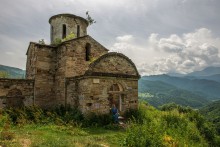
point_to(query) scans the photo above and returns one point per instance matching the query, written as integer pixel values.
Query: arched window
(51, 33)
(78, 31)
(88, 51)
(64, 31)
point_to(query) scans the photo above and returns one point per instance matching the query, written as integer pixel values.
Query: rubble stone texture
(16, 92)
(78, 72)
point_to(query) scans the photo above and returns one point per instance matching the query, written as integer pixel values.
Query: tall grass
(174, 126)
(171, 126)
(60, 116)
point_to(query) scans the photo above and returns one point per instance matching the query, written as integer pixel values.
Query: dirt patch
(25, 142)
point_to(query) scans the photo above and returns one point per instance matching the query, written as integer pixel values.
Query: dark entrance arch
(116, 96)
(14, 98)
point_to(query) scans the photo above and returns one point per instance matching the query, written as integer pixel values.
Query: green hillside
(212, 113)
(215, 77)
(170, 126)
(12, 72)
(204, 87)
(158, 93)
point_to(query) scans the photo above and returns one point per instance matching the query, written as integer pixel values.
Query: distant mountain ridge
(158, 93)
(208, 88)
(206, 72)
(211, 77)
(200, 88)
(13, 71)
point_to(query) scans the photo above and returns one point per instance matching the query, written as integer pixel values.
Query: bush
(141, 114)
(57, 41)
(25, 115)
(174, 120)
(60, 115)
(144, 128)
(67, 114)
(92, 119)
(149, 134)
(174, 106)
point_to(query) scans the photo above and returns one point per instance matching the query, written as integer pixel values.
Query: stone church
(77, 72)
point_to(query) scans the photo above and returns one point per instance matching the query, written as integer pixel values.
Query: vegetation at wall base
(172, 125)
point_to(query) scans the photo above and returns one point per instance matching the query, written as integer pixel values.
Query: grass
(173, 125)
(63, 136)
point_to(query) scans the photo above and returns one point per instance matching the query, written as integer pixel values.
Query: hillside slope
(215, 77)
(158, 93)
(13, 72)
(32, 126)
(204, 87)
(212, 113)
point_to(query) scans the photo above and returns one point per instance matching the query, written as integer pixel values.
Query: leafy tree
(89, 18)
(41, 41)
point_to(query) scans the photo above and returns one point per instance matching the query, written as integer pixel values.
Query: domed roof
(68, 15)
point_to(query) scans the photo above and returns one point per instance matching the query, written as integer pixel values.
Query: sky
(159, 36)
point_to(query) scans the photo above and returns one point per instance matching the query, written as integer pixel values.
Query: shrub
(174, 120)
(57, 41)
(68, 114)
(69, 37)
(173, 106)
(60, 115)
(140, 115)
(144, 135)
(93, 119)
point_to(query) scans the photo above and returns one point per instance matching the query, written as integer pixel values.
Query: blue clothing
(115, 114)
(114, 111)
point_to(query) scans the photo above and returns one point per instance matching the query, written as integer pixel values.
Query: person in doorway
(115, 113)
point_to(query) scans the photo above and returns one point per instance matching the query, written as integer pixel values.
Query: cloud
(10, 53)
(123, 26)
(187, 53)
(124, 38)
(181, 54)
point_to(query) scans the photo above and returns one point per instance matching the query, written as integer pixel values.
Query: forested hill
(195, 89)
(11, 72)
(158, 93)
(212, 113)
(206, 88)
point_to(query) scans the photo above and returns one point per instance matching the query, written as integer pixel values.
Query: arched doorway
(14, 98)
(116, 96)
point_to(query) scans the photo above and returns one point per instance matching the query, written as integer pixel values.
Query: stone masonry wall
(71, 62)
(75, 53)
(94, 93)
(71, 23)
(14, 90)
(60, 75)
(31, 62)
(41, 67)
(114, 64)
